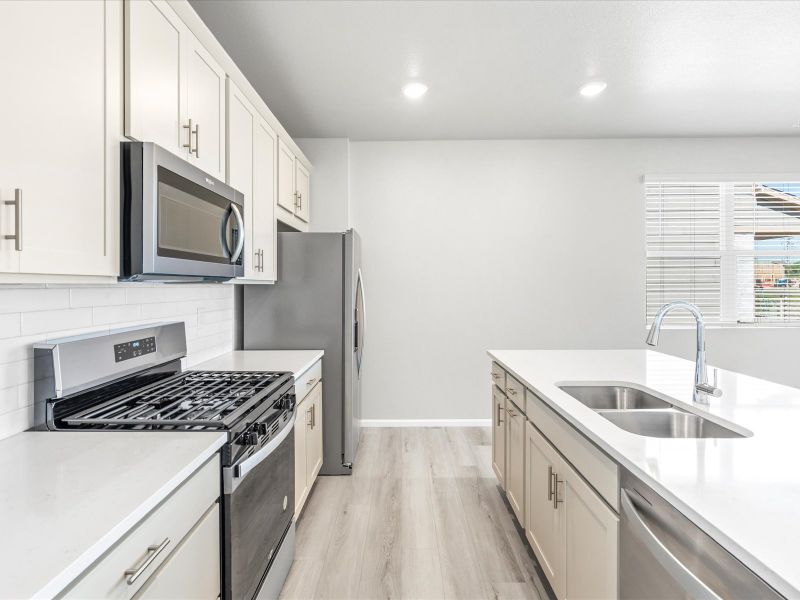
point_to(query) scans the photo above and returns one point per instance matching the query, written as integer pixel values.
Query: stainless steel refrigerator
(318, 302)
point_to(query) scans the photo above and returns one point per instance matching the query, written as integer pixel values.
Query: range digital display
(134, 348)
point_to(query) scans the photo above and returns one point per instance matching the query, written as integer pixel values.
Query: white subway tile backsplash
(42, 321)
(9, 325)
(27, 299)
(31, 314)
(96, 296)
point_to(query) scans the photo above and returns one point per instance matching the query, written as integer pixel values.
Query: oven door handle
(232, 476)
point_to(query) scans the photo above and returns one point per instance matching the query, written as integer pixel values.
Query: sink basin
(613, 397)
(667, 424)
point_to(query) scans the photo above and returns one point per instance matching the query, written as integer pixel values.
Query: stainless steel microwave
(178, 223)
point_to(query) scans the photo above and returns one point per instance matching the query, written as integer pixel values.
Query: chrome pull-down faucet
(701, 389)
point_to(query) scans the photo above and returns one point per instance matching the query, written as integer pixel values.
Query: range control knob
(287, 402)
(249, 438)
(261, 428)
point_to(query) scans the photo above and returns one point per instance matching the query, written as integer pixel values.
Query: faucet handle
(711, 390)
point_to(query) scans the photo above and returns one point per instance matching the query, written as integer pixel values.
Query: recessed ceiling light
(593, 88)
(415, 89)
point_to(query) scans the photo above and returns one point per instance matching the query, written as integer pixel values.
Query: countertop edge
(70, 574)
(309, 364)
(752, 562)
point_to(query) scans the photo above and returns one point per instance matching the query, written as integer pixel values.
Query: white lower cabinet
(573, 533)
(499, 435)
(515, 459)
(572, 528)
(192, 570)
(178, 540)
(307, 435)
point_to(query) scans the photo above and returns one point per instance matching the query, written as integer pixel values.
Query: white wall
(36, 314)
(469, 245)
(330, 183)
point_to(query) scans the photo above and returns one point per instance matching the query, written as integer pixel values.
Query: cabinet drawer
(599, 470)
(306, 382)
(499, 376)
(192, 570)
(515, 391)
(169, 522)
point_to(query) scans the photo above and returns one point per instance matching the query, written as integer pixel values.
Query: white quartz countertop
(744, 492)
(296, 361)
(67, 497)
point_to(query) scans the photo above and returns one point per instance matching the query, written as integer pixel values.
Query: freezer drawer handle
(687, 580)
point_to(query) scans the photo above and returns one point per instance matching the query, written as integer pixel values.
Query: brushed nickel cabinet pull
(511, 391)
(499, 420)
(17, 203)
(556, 499)
(197, 140)
(152, 552)
(550, 482)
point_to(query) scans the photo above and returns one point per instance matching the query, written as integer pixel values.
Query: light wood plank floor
(421, 517)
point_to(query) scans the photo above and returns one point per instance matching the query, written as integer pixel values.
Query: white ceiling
(513, 69)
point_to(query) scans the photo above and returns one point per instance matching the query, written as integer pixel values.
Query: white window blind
(731, 248)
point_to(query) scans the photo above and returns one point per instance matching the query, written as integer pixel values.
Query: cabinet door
(515, 459)
(57, 125)
(543, 522)
(301, 425)
(265, 188)
(241, 128)
(303, 210)
(286, 173)
(192, 570)
(154, 79)
(499, 435)
(205, 97)
(314, 437)
(591, 531)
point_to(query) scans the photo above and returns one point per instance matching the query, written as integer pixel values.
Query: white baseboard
(426, 422)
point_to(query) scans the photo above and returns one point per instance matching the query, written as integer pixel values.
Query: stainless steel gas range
(132, 380)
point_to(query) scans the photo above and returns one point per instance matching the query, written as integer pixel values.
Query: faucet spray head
(652, 335)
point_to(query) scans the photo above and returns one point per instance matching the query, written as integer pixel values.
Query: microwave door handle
(240, 242)
(223, 233)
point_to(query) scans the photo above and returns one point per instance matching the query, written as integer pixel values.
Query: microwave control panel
(134, 348)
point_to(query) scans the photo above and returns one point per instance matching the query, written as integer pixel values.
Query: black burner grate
(197, 399)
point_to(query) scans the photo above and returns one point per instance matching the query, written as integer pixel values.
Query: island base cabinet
(544, 525)
(499, 436)
(192, 571)
(571, 530)
(515, 460)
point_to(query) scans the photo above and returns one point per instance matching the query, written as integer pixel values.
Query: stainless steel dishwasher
(663, 555)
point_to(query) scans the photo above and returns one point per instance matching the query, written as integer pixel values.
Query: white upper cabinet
(59, 157)
(174, 89)
(252, 165)
(154, 100)
(293, 205)
(205, 117)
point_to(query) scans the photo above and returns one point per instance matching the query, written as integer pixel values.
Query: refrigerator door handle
(360, 320)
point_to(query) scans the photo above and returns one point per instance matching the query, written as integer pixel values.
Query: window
(730, 247)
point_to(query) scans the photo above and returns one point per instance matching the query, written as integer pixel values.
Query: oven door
(192, 225)
(258, 507)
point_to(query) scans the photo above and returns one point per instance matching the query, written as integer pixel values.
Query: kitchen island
(721, 484)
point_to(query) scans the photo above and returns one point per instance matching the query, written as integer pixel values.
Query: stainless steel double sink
(640, 412)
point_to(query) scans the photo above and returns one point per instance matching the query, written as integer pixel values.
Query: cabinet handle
(308, 417)
(17, 203)
(189, 138)
(296, 200)
(311, 382)
(556, 499)
(313, 416)
(495, 376)
(262, 260)
(152, 551)
(511, 391)
(197, 140)
(499, 420)
(511, 412)
(550, 482)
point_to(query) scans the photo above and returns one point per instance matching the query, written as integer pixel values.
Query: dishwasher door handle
(693, 587)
